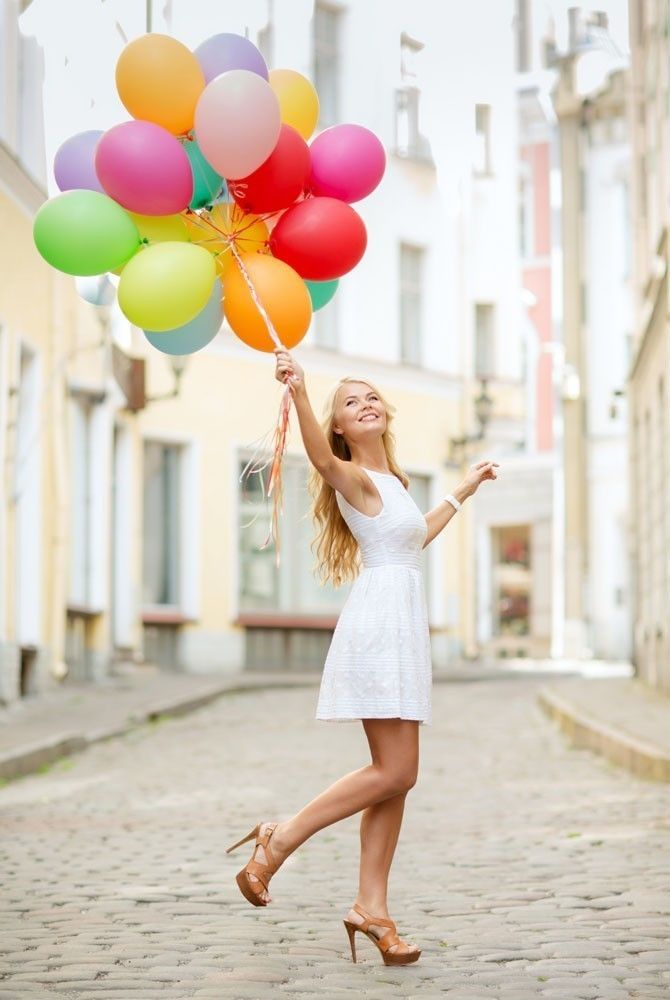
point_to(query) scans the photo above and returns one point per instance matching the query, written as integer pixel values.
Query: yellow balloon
(159, 228)
(160, 80)
(298, 100)
(225, 225)
(167, 285)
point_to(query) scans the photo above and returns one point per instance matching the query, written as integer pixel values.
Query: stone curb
(644, 760)
(31, 757)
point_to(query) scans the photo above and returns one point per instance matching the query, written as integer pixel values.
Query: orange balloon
(282, 293)
(160, 80)
(224, 225)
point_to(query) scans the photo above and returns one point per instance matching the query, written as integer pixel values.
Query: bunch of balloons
(209, 198)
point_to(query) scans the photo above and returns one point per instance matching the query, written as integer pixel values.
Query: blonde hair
(338, 555)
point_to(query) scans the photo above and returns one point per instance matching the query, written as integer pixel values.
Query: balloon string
(281, 429)
(256, 464)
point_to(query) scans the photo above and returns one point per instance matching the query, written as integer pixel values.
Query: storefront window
(512, 580)
(294, 586)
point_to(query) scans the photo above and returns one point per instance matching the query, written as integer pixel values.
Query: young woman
(378, 667)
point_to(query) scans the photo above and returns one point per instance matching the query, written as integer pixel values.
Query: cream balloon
(237, 122)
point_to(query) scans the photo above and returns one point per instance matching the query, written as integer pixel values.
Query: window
(294, 586)
(326, 325)
(411, 284)
(161, 536)
(526, 242)
(408, 139)
(327, 63)
(482, 156)
(625, 217)
(265, 38)
(81, 407)
(511, 580)
(484, 339)
(419, 490)
(523, 36)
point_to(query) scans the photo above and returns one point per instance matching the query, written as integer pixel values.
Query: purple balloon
(74, 163)
(226, 51)
(144, 168)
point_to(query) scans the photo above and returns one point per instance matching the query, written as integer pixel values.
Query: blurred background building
(649, 375)
(514, 283)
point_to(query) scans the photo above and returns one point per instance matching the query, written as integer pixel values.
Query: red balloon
(279, 180)
(321, 238)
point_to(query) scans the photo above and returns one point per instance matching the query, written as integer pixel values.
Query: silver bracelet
(453, 501)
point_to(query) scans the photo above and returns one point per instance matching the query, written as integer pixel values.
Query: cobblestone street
(524, 868)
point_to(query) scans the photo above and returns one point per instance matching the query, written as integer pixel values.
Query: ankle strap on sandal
(369, 919)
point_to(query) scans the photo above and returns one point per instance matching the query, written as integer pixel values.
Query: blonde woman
(378, 667)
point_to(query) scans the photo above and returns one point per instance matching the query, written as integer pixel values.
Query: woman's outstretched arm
(440, 516)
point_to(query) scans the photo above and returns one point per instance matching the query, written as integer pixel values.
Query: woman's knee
(398, 779)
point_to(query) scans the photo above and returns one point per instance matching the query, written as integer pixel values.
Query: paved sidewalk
(38, 730)
(619, 717)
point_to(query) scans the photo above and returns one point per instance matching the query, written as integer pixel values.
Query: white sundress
(379, 664)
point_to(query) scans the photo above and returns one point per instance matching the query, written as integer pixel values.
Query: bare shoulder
(349, 480)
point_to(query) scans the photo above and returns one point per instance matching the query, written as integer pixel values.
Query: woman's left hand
(478, 472)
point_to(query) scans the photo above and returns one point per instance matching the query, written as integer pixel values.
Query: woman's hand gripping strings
(288, 371)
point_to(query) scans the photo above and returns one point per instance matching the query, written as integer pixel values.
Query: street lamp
(483, 404)
(178, 363)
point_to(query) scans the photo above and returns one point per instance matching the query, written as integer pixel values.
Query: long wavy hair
(337, 551)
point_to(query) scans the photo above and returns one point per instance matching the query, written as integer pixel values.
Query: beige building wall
(649, 381)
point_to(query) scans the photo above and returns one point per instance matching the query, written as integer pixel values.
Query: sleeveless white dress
(379, 664)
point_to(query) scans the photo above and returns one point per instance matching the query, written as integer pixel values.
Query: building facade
(573, 186)
(649, 374)
(127, 533)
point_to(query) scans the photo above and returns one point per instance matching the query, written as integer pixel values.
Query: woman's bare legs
(378, 788)
(380, 829)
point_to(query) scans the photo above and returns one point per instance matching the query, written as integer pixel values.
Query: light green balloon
(166, 285)
(85, 232)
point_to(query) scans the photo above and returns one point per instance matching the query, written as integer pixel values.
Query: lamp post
(483, 404)
(178, 363)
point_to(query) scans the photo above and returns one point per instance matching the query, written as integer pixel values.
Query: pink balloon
(348, 162)
(144, 168)
(237, 122)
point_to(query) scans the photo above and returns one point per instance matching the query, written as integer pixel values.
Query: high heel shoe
(383, 943)
(263, 871)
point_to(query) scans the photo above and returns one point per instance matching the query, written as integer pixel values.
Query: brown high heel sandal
(383, 943)
(252, 890)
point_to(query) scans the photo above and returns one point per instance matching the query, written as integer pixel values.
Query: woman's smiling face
(359, 412)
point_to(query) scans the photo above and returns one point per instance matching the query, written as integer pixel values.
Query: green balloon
(206, 182)
(321, 292)
(85, 232)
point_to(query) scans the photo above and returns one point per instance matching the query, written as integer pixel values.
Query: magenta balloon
(226, 51)
(144, 168)
(237, 122)
(74, 166)
(348, 162)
